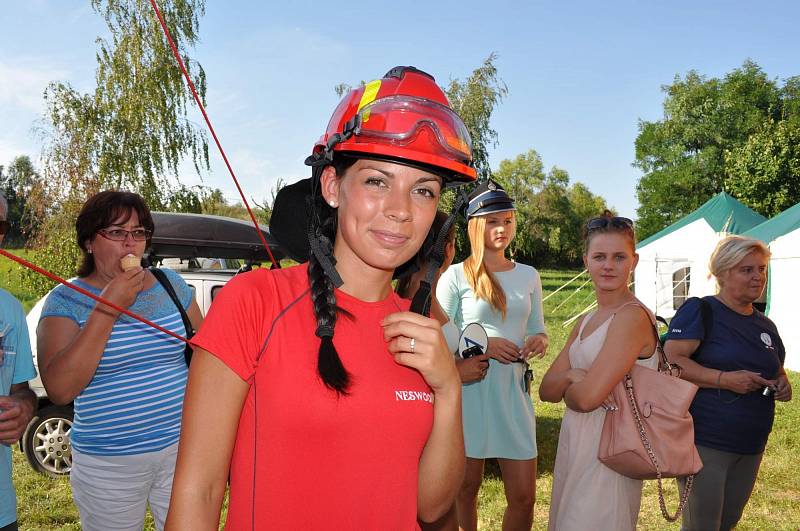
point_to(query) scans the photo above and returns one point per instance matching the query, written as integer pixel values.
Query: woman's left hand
(783, 389)
(535, 347)
(417, 342)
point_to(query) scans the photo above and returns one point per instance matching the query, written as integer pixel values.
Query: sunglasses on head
(616, 222)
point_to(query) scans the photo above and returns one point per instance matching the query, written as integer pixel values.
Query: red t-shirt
(304, 458)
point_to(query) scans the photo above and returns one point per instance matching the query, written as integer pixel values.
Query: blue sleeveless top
(133, 403)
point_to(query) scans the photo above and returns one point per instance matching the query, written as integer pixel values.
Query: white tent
(782, 233)
(673, 263)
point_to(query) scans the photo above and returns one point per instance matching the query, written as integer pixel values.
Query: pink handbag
(650, 434)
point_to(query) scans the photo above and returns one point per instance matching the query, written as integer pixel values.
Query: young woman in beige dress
(602, 347)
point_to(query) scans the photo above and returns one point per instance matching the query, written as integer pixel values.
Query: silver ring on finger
(413, 344)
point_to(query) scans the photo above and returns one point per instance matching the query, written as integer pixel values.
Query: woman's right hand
(417, 342)
(502, 350)
(123, 288)
(743, 382)
(473, 369)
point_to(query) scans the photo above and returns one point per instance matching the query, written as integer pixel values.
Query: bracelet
(719, 381)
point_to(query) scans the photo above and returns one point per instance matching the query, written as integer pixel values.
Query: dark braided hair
(323, 227)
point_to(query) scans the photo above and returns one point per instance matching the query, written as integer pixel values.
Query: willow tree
(475, 99)
(132, 130)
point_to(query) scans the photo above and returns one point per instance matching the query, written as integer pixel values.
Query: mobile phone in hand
(472, 351)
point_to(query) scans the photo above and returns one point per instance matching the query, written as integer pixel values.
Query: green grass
(11, 275)
(46, 504)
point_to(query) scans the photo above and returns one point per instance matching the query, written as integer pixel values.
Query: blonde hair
(732, 250)
(481, 280)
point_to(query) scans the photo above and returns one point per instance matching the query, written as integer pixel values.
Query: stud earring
(332, 203)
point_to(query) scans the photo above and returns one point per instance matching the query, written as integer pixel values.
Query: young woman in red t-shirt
(329, 404)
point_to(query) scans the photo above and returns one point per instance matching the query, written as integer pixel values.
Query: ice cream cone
(129, 262)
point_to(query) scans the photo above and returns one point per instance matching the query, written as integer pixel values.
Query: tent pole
(564, 285)
(592, 305)
(570, 296)
(575, 317)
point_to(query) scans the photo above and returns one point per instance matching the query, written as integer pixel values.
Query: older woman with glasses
(126, 379)
(734, 353)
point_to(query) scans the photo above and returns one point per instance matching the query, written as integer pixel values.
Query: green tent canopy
(783, 223)
(770, 230)
(722, 212)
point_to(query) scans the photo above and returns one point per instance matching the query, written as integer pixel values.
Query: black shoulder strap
(707, 315)
(165, 283)
(663, 361)
(421, 303)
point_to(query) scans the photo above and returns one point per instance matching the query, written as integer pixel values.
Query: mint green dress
(498, 413)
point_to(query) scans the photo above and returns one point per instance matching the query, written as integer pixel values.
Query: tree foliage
(766, 168)
(132, 130)
(733, 134)
(213, 202)
(475, 100)
(18, 183)
(550, 212)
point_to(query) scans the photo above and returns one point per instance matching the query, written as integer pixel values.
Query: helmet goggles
(400, 121)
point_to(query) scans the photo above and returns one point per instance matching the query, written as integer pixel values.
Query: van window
(215, 290)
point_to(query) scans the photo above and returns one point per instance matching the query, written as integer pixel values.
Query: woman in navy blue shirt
(734, 354)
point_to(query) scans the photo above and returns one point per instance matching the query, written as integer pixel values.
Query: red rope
(211, 128)
(89, 294)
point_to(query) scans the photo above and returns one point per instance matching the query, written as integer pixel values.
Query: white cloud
(256, 174)
(291, 44)
(260, 191)
(249, 164)
(10, 149)
(22, 84)
(253, 171)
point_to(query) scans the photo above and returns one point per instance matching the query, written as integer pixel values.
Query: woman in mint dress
(506, 298)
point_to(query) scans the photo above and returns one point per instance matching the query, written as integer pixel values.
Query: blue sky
(580, 74)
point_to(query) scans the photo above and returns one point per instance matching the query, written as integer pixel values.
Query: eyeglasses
(3, 226)
(616, 222)
(120, 235)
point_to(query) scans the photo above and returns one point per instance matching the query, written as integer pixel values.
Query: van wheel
(46, 441)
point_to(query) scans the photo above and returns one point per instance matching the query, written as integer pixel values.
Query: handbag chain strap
(646, 442)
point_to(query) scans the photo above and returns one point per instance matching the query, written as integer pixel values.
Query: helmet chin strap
(319, 244)
(421, 303)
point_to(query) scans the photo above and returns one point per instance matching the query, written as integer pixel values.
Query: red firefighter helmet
(404, 117)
